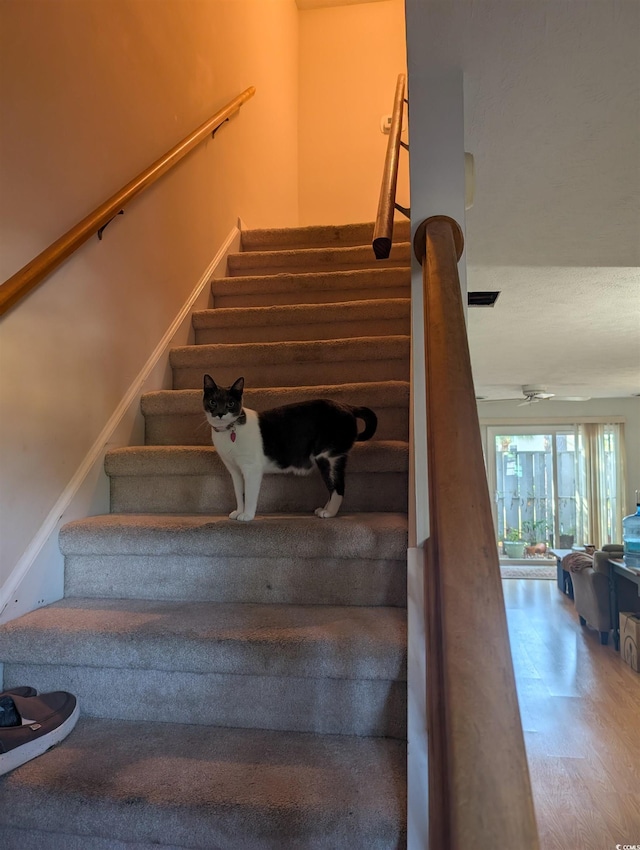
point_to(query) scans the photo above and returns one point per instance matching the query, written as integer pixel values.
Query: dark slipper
(29, 726)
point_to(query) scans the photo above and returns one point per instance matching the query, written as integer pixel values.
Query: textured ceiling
(552, 116)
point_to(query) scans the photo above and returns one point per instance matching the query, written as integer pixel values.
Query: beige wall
(350, 58)
(92, 92)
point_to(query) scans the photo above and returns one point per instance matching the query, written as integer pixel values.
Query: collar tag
(232, 426)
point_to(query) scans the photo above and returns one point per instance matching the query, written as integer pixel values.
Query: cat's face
(222, 404)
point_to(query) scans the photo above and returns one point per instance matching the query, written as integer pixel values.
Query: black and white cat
(291, 438)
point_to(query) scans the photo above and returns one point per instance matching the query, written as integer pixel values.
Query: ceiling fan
(531, 394)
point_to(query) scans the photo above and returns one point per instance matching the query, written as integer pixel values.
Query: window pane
(567, 463)
(524, 493)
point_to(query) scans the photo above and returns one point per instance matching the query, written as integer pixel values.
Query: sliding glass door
(554, 487)
(524, 473)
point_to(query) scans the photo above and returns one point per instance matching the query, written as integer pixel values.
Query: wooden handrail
(479, 788)
(22, 282)
(383, 230)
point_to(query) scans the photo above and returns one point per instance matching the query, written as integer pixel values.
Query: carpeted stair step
(176, 417)
(311, 288)
(354, 559)
(319, 236)
(155, 785)
(379, 317)
(310, 668)
(287, 364)
(174, 479)
(301, 260)
(314, 259)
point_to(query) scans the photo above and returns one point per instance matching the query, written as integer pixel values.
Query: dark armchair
(590, 577)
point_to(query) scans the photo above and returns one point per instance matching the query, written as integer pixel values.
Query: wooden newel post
(480, 793)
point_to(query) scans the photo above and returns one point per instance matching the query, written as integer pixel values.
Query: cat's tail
(370, 422)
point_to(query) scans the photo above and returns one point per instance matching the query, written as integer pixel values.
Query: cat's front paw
(324, 513)
(244, 516)
(234, 514)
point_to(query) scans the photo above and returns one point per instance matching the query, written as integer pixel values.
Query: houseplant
(535, 534)
(534, 531)
(513, 543)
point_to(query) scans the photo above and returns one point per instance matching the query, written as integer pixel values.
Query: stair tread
(302, 313)
(355, 559)
(247, 639)
(372, 456)
(214, 788)
(384, 276)
(318, 235)
(307, 258)
(273, 353)
(176, 417)
(373, 394)
(366, 535)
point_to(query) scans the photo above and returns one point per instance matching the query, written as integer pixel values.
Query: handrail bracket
(104, 226)
(215, 129)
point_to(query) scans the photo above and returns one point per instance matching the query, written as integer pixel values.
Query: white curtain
(619, 506)
(601, 482)
(582, 504)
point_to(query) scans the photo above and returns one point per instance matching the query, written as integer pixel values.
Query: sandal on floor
(29, 726)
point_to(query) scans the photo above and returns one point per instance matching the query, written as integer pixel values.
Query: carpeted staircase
(242, 685)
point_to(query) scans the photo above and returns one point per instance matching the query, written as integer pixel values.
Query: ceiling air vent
(482, 299)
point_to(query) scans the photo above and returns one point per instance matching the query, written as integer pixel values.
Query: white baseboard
(38, 577)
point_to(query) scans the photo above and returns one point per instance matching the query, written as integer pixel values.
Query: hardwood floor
(580, 707)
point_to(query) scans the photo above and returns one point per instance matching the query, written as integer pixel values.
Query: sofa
(590, 578)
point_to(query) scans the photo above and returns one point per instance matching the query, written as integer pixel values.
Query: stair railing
(22, 282)
(383, 230)
(479, 787)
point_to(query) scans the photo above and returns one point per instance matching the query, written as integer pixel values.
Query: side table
(564, 578)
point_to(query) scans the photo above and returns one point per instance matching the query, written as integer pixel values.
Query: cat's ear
(238, 387)
(209, 383)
